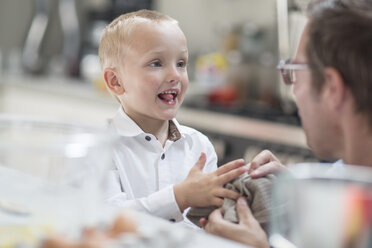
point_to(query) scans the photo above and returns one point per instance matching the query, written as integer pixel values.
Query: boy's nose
(173, 75)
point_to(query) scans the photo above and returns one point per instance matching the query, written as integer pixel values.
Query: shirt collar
(125, 126)
(173, 132)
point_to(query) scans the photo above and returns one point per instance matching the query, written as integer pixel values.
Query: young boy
(144, 56)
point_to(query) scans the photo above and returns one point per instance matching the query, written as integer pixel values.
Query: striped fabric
(258, 195)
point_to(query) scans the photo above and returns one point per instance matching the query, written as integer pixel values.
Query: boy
(144, 56)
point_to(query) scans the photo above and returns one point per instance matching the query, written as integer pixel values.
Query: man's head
(340, 37)
(335, 57)
(144, 56)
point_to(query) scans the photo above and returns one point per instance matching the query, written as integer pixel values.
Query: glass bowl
(51, 178)
(322, 205)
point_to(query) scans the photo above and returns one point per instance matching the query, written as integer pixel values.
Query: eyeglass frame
(285, 67)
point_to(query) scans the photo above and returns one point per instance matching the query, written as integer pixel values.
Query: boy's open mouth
(168, 96)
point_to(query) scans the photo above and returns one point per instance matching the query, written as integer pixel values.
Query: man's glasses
(287, 70)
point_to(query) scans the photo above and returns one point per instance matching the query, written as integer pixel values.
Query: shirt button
(148, 138)
(163, 156)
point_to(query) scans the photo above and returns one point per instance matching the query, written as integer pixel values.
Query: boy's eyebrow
(159, 51)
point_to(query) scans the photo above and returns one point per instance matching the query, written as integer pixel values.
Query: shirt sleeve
(161, 203)
(211, 163)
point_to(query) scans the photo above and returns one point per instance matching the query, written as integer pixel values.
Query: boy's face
(153, 72)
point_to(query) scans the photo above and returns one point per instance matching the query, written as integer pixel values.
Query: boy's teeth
(169, 92)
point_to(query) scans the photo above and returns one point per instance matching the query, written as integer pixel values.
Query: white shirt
(145, 171)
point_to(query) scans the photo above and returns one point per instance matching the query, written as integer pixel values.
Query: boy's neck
(159, 128)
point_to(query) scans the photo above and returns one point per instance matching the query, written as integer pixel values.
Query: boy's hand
(248, 231)
(201, 189)
(265, 163)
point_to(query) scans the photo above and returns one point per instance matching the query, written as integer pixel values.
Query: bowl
(323, 205)
(51, 178)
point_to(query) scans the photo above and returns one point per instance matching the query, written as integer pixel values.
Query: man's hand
(265, 163)
(248, 231)
(201, 189)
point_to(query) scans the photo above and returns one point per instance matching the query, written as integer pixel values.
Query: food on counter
(94, 237)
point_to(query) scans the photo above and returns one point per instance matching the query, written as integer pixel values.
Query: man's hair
(340, 36)
(116, 36)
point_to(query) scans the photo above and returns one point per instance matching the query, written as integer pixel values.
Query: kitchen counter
(56, 99)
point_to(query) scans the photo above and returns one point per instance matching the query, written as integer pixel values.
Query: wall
(202, 20)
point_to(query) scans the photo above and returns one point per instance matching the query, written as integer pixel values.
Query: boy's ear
(112, 81)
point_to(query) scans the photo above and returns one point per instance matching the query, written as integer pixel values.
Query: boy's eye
(181, 64)
(155, 64)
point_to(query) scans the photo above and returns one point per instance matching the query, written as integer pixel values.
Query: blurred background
(49, 67)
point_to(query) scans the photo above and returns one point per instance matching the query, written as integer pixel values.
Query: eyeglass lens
(288, 76)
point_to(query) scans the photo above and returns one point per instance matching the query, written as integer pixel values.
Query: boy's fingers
(229, 166)
(201, 162)
(227, 177)
(217, 201)
(227, 193)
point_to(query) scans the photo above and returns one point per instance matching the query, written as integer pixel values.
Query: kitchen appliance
(34, 59)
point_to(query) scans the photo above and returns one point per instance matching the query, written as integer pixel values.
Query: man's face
(318, 123)
(153, 72)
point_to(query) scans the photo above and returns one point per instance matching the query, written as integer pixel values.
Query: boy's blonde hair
(116, 36)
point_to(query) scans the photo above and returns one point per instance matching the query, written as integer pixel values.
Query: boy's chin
(169, 115)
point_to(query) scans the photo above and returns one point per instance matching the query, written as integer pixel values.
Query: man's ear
(112, 81)
(334, 88)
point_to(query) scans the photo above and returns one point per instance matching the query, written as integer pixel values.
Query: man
(331, 76)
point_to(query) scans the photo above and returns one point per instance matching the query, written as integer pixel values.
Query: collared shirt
(145, 171)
